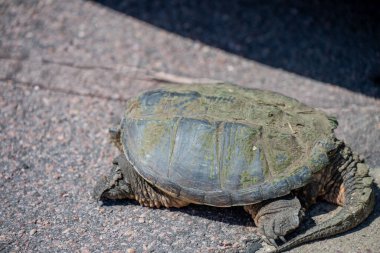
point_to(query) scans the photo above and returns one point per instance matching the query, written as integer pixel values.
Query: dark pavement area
(67, 67)
(329, 41)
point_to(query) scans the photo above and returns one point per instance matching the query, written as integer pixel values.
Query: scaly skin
(358, 203)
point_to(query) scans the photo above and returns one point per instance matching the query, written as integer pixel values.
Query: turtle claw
(273, 242)
(270, 241)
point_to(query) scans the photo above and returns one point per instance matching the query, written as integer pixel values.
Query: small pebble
(129, 233)
(33, 231)
(66, 231)
(84, 250)
(131, 250)
(226, 243)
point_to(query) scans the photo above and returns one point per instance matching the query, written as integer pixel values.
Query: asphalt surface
(66, 69)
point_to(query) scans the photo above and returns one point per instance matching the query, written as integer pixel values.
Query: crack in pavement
(61, 90)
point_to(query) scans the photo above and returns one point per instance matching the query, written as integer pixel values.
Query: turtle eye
(115, 161)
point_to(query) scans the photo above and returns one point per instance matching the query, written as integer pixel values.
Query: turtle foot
(278, 218)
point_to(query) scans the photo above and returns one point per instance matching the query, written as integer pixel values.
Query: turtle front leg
(276, 218)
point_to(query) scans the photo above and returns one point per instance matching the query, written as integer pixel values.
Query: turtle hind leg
(276, 218)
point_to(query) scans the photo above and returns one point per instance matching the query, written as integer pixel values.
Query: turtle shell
(224, 145)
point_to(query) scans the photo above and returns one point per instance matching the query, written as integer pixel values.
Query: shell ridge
(220, 140)
(266, 152)
(217, 152)
(174, 139)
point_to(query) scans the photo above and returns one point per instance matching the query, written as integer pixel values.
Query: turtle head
(116, 185)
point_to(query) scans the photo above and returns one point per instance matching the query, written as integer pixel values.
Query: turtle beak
(115, 186)
(112, 187)
(101, 189)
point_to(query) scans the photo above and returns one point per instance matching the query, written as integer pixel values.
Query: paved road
(66, 69)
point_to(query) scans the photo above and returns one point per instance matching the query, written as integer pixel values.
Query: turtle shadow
(230, 215)
(237, 216)
(120, 202)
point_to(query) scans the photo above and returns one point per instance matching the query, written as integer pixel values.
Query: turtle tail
(359, 201)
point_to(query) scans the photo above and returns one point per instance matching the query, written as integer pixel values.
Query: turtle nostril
(100, 188)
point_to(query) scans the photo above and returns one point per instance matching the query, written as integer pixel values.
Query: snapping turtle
(224, 145)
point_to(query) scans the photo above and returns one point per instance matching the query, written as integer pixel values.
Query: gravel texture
(67, 67)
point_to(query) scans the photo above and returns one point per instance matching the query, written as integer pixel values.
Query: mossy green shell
(224, 145)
